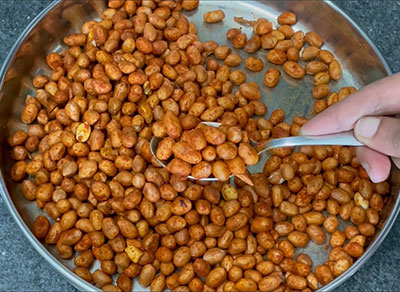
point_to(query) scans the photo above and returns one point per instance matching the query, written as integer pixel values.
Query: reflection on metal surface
(361, 62)
(344, 138)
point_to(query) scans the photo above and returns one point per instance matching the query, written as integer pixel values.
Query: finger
(377, 165)
(379, 98)
(379, 133)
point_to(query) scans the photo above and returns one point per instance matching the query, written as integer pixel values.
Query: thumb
(379, 133)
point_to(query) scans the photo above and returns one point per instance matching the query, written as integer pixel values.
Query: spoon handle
(343, 138)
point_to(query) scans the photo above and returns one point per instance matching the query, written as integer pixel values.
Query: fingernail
(368, 170)
(367, 127)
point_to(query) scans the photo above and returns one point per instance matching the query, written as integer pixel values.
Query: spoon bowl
(153, 148)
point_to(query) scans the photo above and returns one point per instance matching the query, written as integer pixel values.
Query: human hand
(364, 112)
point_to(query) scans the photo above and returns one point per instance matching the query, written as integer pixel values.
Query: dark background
(23, 269)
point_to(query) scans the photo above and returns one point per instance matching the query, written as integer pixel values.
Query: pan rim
(83, 285)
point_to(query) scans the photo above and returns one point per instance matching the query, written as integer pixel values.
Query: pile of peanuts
(228, 147)
(142, 72)
(192, 148)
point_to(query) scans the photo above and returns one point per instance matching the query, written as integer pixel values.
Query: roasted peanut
(254, 64)
(213, 16)
(276, 56)
(293, 69)
(335, 70)
(287, 18)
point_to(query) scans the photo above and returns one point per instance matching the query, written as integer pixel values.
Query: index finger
(378, 98)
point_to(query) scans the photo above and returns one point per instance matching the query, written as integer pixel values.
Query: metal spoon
(343, 139)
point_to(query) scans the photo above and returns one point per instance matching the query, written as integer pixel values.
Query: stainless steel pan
(361, 61)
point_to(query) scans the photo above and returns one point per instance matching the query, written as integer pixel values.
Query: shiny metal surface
(344, 139)
(361, 61)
